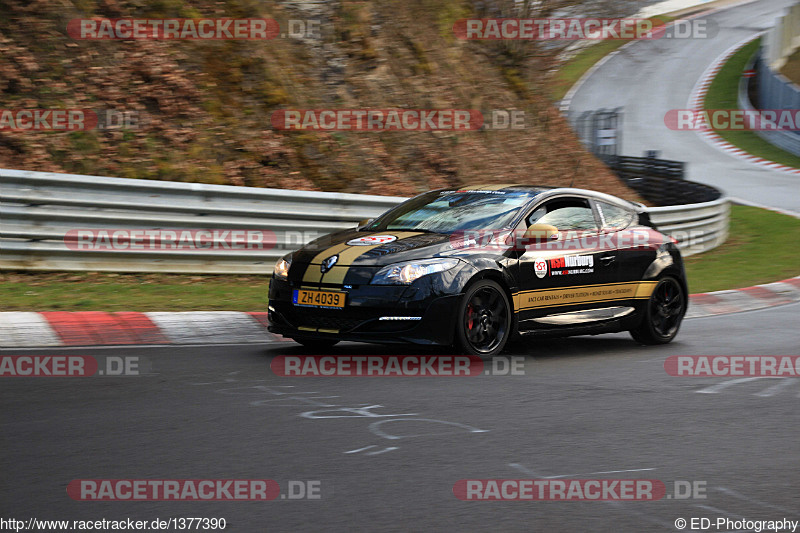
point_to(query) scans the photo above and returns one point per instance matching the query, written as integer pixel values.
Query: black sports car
(471, 267)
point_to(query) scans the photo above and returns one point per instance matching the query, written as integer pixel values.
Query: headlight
(406, 273)
(282, 268)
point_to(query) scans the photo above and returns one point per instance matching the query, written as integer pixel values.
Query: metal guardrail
(659, 181)
(781, 92)
(600, 131)
(697, 227)
(38, 209)
(669, 191)
(651, 166)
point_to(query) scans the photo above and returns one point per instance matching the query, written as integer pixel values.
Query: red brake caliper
(470, 314)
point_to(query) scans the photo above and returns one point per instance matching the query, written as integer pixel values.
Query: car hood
(373, 248)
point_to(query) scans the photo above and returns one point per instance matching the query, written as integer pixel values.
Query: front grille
(329, 322)
(309, 317)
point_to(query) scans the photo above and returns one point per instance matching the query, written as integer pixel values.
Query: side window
(565, 214)
(614, 217)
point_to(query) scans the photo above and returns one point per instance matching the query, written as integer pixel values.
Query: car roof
(547, 192)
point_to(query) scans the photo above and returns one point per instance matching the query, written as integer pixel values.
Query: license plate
(319, 298)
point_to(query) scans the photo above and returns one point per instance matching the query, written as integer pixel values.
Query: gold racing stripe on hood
(347, 254)
(337, 274)
(313, 274)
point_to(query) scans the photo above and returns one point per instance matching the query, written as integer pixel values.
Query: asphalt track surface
(650, 77)
(584, 406)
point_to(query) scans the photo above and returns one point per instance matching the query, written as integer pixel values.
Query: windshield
(449, 211)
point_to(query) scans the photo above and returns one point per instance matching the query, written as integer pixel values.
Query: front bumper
(420, 315)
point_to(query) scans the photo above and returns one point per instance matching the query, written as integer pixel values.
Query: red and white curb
(95, 328)
(747, 299)
(696, 104)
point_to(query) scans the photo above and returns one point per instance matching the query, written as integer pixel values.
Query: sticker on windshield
(371, 240)
(478, 191)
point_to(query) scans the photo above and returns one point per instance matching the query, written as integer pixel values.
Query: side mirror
(365, 222)
(541, 233)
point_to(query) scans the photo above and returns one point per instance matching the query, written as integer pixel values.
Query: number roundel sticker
(372, 240)
(540, 267)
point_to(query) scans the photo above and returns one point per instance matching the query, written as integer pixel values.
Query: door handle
(607, 259)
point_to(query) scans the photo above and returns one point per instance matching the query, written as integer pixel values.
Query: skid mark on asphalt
(619, 506)
(644, 516)
(770, 391)
(525, 470)
(278, 395)
(354, 412)
(717, 510)
(656, 520)
(229, 380)
(723, 512)
(361, 449)
(376, 452)
(740, 496)
(714, 389)
(302, 402)
(374, 428)
(280, 401)
(388, 449)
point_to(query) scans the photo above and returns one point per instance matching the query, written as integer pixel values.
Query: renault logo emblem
(328, 263)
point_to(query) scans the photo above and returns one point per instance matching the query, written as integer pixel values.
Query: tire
(484, 320)
(316, 344)
(663, 315)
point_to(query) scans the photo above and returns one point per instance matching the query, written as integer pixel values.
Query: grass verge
(93, 291)
(759, 250)
(762, 248)
(723, 94)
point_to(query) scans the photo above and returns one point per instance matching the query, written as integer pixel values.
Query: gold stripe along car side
(582, 294)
